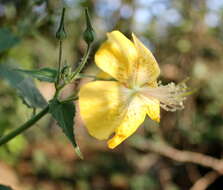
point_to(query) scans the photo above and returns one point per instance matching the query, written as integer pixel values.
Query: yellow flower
(120, 107)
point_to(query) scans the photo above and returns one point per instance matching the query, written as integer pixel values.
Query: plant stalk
(76, 72)
(59, 63)
(70, 99)
(83, 62)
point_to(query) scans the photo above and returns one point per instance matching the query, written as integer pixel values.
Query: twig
(205, 181)
(69, 99)
(59, 62)
(83, 62)
(181, 156)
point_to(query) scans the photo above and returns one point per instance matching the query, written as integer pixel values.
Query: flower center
(171, 96)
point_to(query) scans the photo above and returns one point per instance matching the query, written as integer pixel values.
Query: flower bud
(89, 31)
(61, 33)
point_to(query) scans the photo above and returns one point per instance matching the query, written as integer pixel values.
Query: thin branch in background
(205, 181)
(180, 155)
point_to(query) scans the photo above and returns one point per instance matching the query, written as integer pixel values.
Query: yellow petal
(153, 105)
(104, 75)
(146, 69)
(116, 55)
(153, 110)
(100, 103)
(134, 116)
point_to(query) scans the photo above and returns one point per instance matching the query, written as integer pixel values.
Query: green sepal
(61, 33)
(89, 33)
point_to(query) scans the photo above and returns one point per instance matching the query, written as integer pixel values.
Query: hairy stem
(83, 62)
(23, 127)
(70, 99)
(76, 72)
(59, 63)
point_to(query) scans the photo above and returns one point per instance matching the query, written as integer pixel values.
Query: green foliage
(64, 114)
(3, 187)
(24, 86)
(8, 108)
(142, 182)
(12, 151)
(43, 74)
(7, 39)
(43, 163)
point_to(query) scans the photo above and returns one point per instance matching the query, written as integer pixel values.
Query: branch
(205, 181)
(83, 62)
(181, 156)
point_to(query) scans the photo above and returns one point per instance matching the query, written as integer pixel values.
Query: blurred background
(186, 38)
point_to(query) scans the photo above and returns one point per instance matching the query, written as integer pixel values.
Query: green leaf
(43, 74)
(64, 114)
(24, 85)
(7, 39)
(3, 187)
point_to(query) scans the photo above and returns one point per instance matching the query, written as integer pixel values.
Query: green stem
(59, 64)
(69, 99)
(76, 72)
(25, 126)
(83, 62)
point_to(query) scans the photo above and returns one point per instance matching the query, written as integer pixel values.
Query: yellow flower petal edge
(153, 108)
(153, 105)
(104, 75)
(134, 116)
(100, 103)
(146, 67)
(116, 55)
